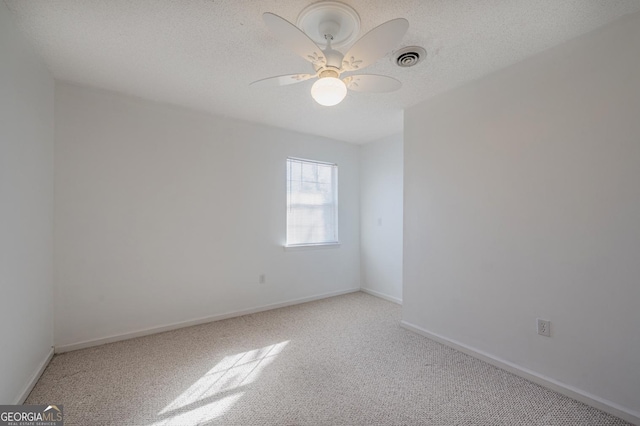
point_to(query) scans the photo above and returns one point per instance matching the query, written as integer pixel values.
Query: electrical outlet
(544, 327)
(262, 279)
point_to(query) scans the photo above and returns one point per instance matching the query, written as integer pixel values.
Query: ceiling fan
(331, 23)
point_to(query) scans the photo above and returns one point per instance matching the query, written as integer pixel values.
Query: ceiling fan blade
(282, 80)
(295, 39)
(375, 44)
(371, 83)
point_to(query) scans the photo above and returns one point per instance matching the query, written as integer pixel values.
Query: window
(312, 202)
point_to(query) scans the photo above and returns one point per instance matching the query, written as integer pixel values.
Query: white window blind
(312, 202)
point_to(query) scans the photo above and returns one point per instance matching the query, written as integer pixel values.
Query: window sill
(311, 246)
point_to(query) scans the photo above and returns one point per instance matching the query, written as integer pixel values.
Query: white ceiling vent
(409, 56)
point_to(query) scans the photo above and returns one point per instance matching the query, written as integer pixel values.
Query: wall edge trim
(381, 295)
(22, 396)
(197, 321)
(547, 382)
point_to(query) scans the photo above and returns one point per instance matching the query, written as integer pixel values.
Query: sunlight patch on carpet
(220, 388)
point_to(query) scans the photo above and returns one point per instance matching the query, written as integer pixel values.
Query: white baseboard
(34, 379)
(197, 321)
(567, 390)
(381, 295)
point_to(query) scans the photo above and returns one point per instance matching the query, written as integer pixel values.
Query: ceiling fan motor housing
(329, 72)
(334, 59)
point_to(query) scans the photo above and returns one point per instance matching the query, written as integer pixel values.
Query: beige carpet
(338, 361)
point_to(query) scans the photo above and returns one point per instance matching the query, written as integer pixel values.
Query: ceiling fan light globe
(328, 91)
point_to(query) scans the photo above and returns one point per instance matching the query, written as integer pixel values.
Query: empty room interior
(279, 212)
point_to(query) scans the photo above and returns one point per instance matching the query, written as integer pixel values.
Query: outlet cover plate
(544, 327)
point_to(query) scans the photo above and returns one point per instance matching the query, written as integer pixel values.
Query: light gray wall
(522, 200)
(381, 217)
(165, 215)
(26, 211)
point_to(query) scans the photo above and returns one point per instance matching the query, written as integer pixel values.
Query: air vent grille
(409, 56)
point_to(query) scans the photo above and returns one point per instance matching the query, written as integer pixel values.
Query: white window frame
(334, 181)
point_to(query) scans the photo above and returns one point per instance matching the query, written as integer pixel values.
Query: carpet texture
(337, 361)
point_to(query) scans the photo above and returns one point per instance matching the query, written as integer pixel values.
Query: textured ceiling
(203, 54)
